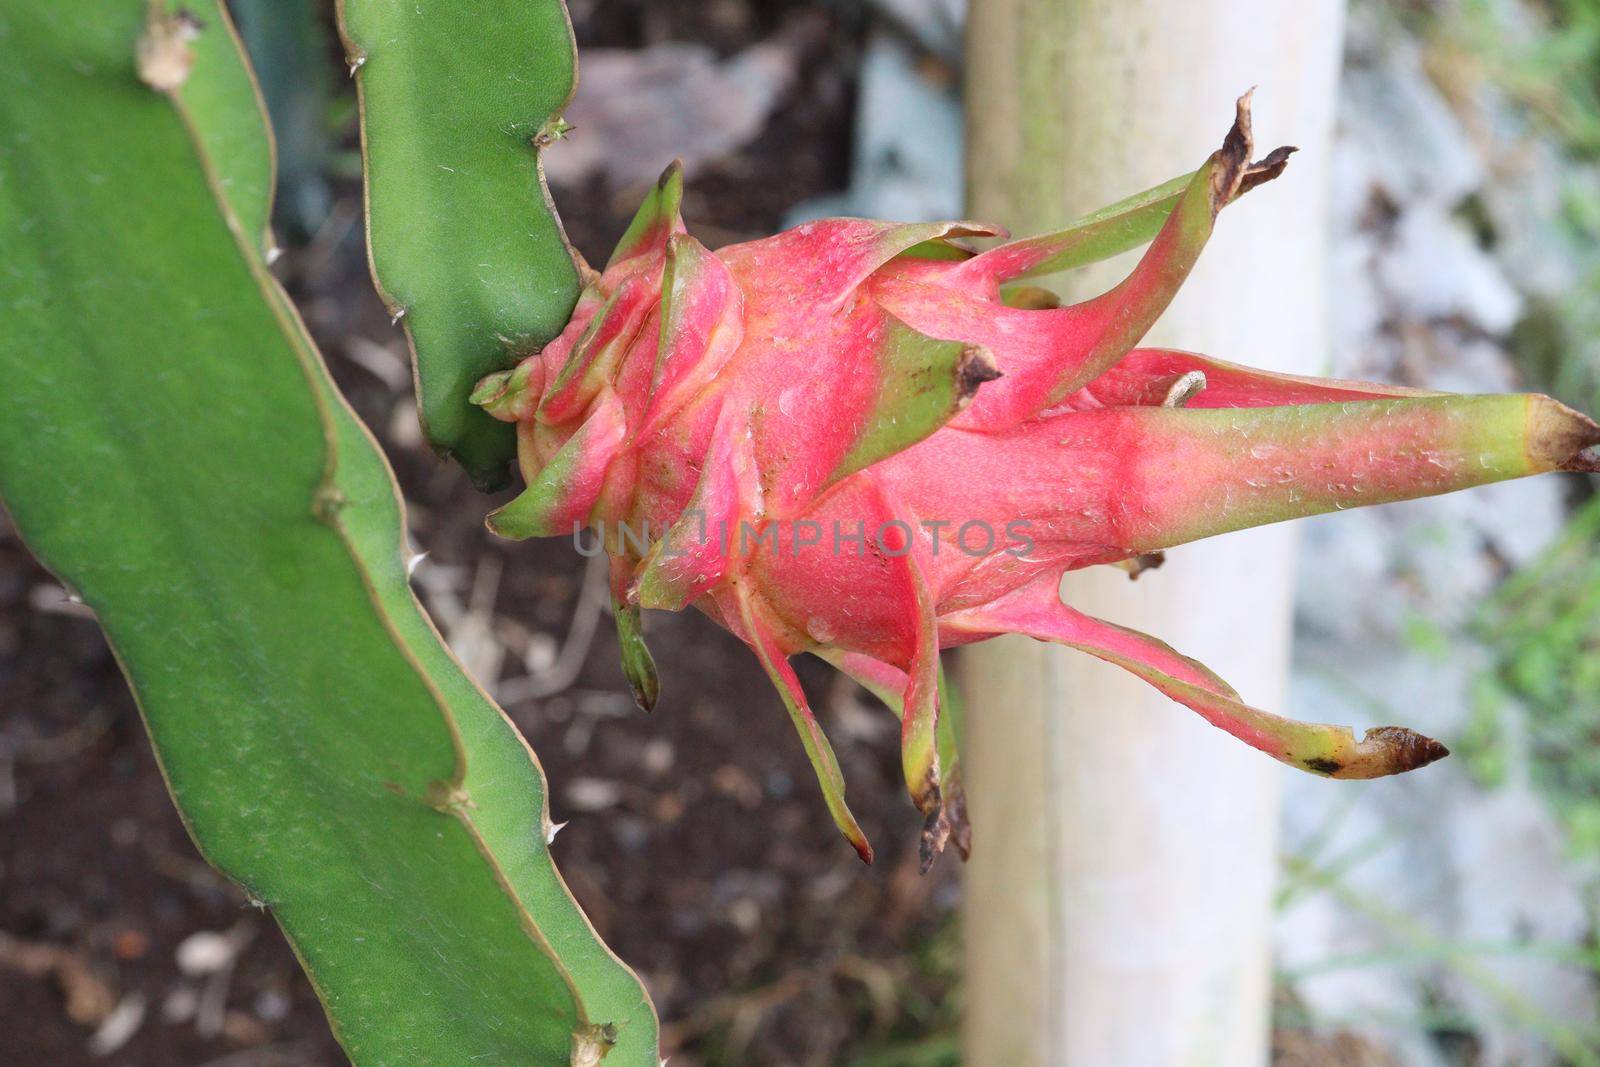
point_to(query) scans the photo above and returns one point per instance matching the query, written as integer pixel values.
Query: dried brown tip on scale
(863, 849)
(936, 831)
(672, 170)
(1408, 748)
(955, 810)
(929, 800)
(1562, 439)
(1264, 170)
(644, 695)
(1233, 156)
(927, 796)
(1382, 751)
(1235, 175)
(1145, 561)
(976, 366)
(1586, 461)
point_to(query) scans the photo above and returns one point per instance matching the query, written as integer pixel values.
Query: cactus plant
(171, 446)
(871, 441)
(465, 247)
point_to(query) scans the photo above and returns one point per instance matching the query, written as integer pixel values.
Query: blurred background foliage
(1544, 622)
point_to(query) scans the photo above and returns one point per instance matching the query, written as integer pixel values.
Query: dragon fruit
(871, 441)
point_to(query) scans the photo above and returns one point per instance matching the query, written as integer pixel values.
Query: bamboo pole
(1118, 899)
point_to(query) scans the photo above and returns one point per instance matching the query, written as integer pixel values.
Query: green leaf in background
(171, 446)
(456, 96)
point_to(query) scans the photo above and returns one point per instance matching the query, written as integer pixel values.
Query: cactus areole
(867, 441)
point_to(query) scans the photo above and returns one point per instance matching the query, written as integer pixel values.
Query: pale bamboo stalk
(1118, 899)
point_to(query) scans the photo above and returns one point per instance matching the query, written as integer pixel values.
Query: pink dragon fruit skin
(864, 440)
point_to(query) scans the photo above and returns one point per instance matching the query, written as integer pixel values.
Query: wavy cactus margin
(171, 447)
(456, 102)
